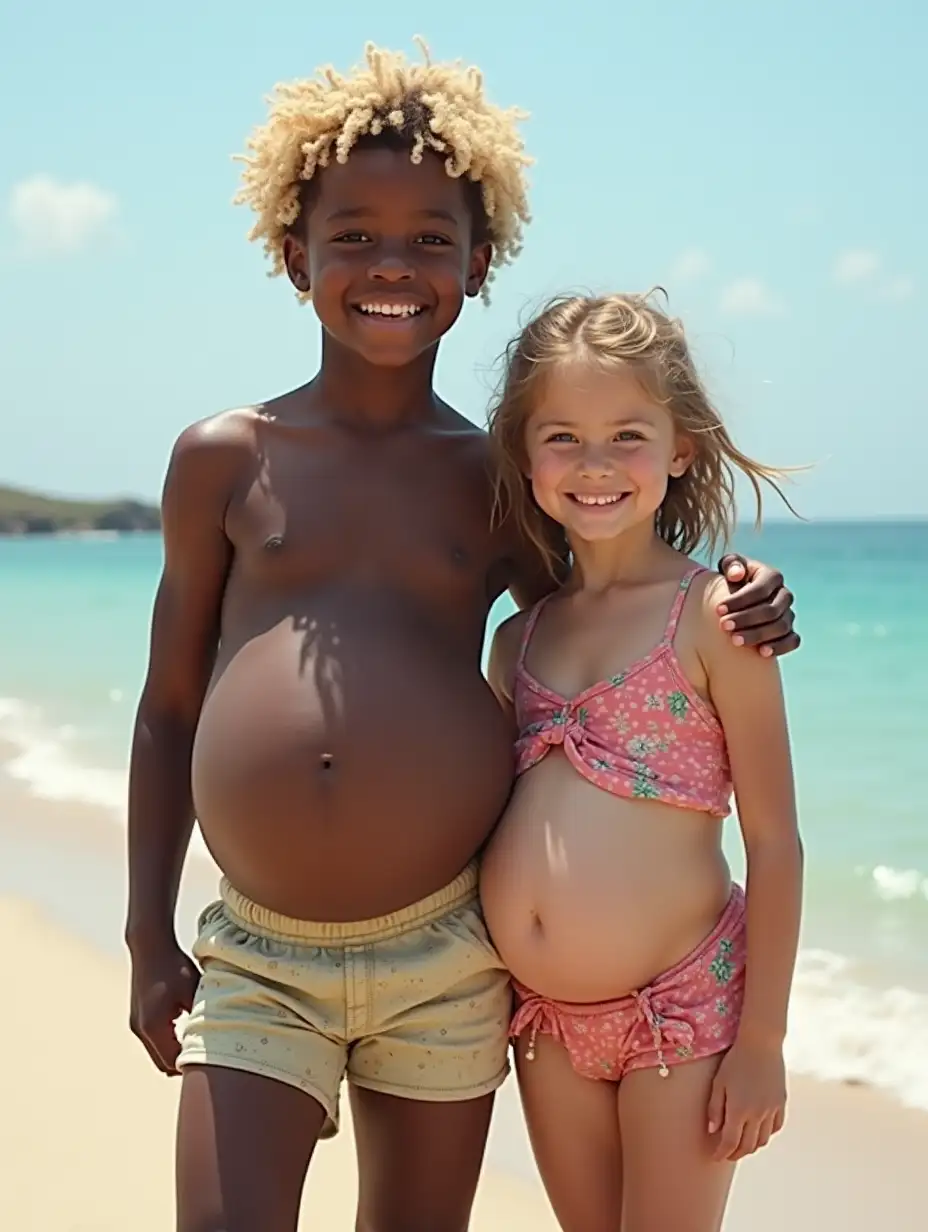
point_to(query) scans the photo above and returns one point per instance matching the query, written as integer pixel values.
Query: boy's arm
(747, 693)
(532, 579)
(205, 462)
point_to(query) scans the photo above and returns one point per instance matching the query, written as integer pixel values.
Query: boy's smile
(387, 248)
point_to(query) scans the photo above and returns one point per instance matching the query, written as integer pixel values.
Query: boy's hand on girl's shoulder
(747, 1104)
(164, 983)
(759, 609)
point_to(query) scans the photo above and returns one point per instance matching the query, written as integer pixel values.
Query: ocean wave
(47, 762)
(842, 1027)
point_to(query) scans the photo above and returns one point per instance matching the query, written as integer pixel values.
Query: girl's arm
(747, 694)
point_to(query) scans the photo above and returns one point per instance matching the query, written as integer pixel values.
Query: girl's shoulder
(698, 633)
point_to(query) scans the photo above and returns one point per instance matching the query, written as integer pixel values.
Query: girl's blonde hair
(628, 331)
(429, 106)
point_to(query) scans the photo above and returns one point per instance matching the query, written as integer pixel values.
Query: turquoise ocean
(74, 616)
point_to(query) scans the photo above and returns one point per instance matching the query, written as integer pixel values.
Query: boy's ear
(478, 269)
(296, 262)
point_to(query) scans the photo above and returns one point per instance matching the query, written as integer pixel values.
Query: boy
(314, 693)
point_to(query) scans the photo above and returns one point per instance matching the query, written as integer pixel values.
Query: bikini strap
(529, 630)
(670, 632)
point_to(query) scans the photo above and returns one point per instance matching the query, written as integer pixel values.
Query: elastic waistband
(264, 922)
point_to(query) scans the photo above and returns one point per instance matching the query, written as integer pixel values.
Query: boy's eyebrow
(365, 211)
(445, 215)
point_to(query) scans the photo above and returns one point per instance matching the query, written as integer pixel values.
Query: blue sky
(763, 161)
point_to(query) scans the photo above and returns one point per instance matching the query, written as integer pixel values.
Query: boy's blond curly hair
(630, 332)
(439, 107)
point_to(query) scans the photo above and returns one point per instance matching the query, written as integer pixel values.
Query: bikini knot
(668, 1026)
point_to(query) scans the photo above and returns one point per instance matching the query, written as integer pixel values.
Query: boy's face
(386, 248)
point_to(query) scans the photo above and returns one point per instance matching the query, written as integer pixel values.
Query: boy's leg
(432, 1002)
(262, 1058)
(671, 1179)
(573, 1124)
(244, 1143)
(418, 1162)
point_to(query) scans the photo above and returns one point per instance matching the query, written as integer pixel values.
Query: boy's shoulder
(235, 427)
(210, 455)
(459, 426)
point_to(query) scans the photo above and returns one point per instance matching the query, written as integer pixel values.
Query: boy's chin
(386, 346)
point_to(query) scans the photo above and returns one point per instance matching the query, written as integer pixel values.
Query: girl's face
(600, 451)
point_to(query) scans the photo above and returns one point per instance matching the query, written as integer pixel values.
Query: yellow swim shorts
(415, 1004)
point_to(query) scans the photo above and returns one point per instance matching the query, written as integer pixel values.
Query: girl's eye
(562, 437)
(630, 436)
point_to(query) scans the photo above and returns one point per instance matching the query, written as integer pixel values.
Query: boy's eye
(350, 237)
(433, 240)
(630, 435)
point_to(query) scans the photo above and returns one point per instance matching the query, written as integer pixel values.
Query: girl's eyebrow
(625, 422)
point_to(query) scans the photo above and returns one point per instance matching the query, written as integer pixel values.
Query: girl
(651, 992)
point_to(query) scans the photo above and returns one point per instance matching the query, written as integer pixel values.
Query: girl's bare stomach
(589, 896)
(346, 767)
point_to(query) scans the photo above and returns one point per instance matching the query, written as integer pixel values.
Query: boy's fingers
(781, 646)
(734, 567)
(777, 610)
(764, 586)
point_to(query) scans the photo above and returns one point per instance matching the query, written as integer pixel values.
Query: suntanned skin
(314, 693)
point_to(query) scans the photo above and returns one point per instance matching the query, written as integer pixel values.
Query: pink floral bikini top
(643, 734)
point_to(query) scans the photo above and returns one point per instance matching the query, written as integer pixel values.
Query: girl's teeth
(598, 500)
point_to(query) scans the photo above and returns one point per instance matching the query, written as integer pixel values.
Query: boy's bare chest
(419, 512)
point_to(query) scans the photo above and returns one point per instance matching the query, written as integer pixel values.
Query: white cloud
(52, 217)
(898, 289)
(690, 265)
(863, 267)
(750, 297)
(857, 265)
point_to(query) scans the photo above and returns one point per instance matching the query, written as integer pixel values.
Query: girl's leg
(670, 1177)
(573, 1126)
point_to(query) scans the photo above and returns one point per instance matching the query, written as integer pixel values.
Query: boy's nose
(391, 269)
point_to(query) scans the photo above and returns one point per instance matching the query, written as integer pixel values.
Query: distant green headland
(31, 513)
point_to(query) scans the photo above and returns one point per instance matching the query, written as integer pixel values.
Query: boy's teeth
(391, 310)
(597, 500)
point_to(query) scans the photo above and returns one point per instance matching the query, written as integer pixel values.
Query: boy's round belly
(588, 896)
(345, 771)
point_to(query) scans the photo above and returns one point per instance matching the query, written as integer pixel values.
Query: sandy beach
(86, 1124)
